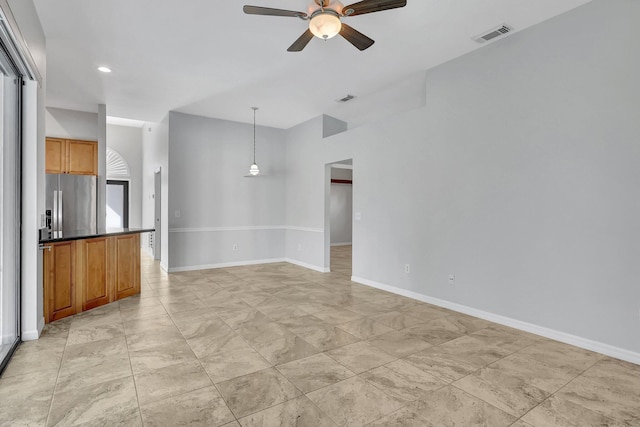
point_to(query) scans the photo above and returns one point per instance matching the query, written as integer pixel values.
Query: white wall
(127, 141)
(518, 176)
(155, 153)
(218, 206)
(61, 123)
(341, 207)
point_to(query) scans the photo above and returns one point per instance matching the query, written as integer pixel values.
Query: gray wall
(218, 206)
(518, 176)
(155, 152)
(127, 141)
(341, 208)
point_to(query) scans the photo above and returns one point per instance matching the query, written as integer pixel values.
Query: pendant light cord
(254, 133)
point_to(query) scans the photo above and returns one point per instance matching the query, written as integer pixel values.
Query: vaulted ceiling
(207, 57)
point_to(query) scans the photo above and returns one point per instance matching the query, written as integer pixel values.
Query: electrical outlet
(407, 268)
(177, 214)
(235, 246)
(452, 279)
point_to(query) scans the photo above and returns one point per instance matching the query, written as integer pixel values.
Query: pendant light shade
(254, 169)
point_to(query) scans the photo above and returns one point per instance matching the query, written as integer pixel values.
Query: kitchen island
(85, 269)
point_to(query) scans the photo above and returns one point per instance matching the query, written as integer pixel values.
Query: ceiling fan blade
(302, 42)
(259, 10)
(370, 6)
(355, 37)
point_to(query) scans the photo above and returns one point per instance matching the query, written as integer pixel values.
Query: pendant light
(254, 170)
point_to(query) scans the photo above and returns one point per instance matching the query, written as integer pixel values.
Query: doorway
(339, 199)
(10, 205)
(117, 203)
(157, 208)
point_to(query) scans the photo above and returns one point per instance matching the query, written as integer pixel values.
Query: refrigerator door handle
(60, 211)
(54, 225)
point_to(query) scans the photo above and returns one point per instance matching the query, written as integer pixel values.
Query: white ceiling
(207, 57)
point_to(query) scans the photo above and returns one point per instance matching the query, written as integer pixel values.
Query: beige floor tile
(399, 343)
(337, 316)
(86, 360)
(452, 407)
(25, 399)
(227, 364)
(364, 328)
(148, 324)
(80, 335)
(439, 330)
(151, 338)
(559, 412)
(444, 365)
(402, 380)
(360, 357)
(314, 372)
(255, 392)
(405, 417)
(298, 412)
(262, 332)
(94, 362)
(611, 388)
(200, 408)
(510, 386)
(354, 402)
(170, 381)
(160, 356)
(285, 350)
(397, 320)
(328, 337)
(109, 403)
(34, 356)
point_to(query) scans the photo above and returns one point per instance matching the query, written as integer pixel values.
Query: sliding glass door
(10, 207)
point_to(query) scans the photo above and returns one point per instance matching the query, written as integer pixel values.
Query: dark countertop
(89, 234)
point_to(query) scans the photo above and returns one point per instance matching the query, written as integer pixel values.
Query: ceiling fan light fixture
(325, 24)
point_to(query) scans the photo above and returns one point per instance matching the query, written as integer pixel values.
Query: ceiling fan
(324, 19)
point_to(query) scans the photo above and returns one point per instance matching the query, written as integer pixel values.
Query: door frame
(125, 189)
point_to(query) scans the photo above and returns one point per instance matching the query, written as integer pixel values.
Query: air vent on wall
(346, 98)
(493, 33)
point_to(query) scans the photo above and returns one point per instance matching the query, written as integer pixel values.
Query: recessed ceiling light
(104, 69)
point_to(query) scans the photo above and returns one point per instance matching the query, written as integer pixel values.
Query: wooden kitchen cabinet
(126, 265)
(93, 267)
(60, 290)
(86, 273)
(71, 156)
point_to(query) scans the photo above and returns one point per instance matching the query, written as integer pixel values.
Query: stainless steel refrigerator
(71, 204)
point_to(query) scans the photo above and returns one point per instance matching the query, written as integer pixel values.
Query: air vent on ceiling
(346, 98)
(493, 33)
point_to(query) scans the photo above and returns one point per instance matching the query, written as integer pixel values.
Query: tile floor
(279, 345)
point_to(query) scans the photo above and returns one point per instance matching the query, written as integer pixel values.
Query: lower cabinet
(60, 290)
(84, 274)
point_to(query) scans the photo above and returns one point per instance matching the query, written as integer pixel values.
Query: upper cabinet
(71, 156)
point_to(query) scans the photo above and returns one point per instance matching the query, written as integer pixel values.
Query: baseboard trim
(225, 264)
(341, 244)
(306, 265)
(164, 267)
(34, 334)
(599, 347)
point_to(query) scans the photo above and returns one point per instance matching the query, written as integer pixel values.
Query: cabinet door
(55, 155)
(59, 281)
(93, 266)
(82, 157)
(126, 256)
